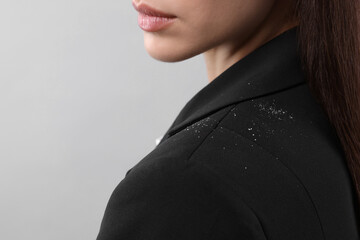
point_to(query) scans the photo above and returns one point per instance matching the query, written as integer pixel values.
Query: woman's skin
(223, 30)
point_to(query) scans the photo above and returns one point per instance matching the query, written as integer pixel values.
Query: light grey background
(81, 102)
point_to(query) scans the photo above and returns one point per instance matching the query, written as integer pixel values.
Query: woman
(270, 148)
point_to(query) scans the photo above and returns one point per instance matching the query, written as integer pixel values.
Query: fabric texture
(251, 156)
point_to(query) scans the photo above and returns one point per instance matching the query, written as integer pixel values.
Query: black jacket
(251, 156)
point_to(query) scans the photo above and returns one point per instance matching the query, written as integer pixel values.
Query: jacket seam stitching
(232, 107)
(277, 158)
(214, 223)
(240, 198)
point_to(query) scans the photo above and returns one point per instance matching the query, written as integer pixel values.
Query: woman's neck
(221, 57)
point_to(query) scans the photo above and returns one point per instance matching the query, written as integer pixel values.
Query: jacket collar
(273, 67)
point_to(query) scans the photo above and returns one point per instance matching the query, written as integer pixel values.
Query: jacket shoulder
(173, 200)
(282, 155)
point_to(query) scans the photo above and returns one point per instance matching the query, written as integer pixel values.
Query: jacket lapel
(273, 67)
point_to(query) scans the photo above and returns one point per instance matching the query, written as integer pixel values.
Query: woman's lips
(152, 20)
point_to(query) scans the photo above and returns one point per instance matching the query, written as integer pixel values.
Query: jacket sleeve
(171, 202)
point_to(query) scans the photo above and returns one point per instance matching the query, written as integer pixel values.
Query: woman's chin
(168, 55)
(168, 52)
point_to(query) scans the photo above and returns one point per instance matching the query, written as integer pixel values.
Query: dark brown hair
(329, 45)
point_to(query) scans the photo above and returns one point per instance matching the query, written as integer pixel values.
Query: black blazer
(251, 156)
